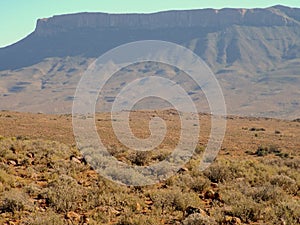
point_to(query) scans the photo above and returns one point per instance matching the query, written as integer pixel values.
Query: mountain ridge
(167, 19)
(257, 62)
(92, 34)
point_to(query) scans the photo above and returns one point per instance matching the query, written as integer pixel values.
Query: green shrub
(262, 151)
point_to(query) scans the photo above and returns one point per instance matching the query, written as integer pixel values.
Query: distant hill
(255, 54)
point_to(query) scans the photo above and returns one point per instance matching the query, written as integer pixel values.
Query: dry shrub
(46, 218)
(242, 206)
(14, 201)
(198, 219)
(286, 183)
(64, 194)
(218, 173)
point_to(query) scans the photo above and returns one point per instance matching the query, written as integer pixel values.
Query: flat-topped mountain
(204, 30)
(276, 16)
(255, 54)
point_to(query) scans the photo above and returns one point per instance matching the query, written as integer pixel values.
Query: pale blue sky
(18, 17)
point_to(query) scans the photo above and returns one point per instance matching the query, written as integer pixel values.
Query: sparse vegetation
(48, 182)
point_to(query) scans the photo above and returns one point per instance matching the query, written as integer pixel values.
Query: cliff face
(91, 34)
(180, 19)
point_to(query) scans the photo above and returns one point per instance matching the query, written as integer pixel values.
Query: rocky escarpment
(216, 35)
(180, 19)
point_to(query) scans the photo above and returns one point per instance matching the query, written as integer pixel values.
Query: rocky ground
(45, 180)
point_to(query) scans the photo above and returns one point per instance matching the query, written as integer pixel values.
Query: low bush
(198, 219)
(286, 183)
(13, 201)
(64, 194)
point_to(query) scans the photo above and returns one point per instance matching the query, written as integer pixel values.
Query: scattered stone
(164, 186)
(50, 165)
(236, 220)
(73, 216)
(218, 197)
(85, 219)
(148, 201)
(30, 155)
(75, 159)
(138, 207)
(78, 159)
(240, 179)
(114, 211)
(282, 221)
(232, 220)
(191, 210)
(201, 196)
(210, 194)
(146, 211)
(214, 185)
(182, 170)
(81, 181)
(12, 162)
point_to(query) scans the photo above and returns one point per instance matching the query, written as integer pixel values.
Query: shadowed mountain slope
(226, 33)
(255, 54)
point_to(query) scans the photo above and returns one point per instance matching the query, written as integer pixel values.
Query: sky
(18, 17)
